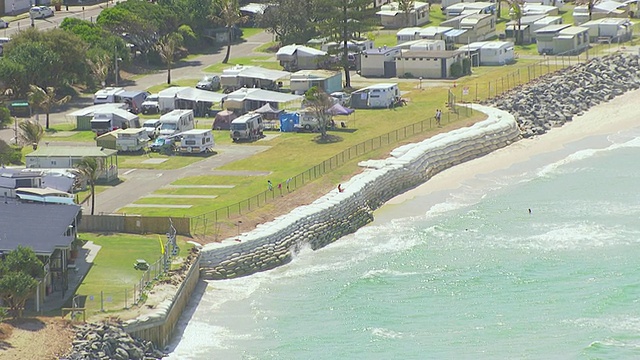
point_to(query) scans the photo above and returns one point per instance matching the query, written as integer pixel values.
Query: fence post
(101, 300)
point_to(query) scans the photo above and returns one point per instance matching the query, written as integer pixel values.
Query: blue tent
(288, 121)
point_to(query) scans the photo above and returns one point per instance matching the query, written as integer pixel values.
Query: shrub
(456, 69)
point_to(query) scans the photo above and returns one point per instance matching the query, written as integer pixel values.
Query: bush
(408, 75)
(456, 69)
(5, 117)
(466, 66)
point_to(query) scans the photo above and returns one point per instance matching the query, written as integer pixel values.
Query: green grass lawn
(249, 32)
(113, 272)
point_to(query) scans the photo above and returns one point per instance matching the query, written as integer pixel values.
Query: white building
(392, 17)
(427, 64)
(609, 29)
(379, 62)
(490, 52)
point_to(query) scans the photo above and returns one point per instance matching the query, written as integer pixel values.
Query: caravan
(107, 95)
(196, 141)
(376, 96)
(176, 121)
(104, 122)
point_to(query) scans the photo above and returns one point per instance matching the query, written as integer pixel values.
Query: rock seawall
(340, 213)
(555, 98)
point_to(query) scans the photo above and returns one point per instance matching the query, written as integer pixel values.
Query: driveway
(141, 182)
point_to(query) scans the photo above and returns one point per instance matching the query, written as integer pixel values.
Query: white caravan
(196, 141)
(175, 122)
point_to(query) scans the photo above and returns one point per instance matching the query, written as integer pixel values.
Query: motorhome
(247, 127)
(176, 121)
(132, 140)
(196, 141)
(151, 105)
(152, 127)
(107, 95)
(376, 96)
(104, 122)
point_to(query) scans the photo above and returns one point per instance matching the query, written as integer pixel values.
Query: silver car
(40, 12)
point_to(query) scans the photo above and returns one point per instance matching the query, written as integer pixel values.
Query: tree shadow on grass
(28, 324)
(328, 139)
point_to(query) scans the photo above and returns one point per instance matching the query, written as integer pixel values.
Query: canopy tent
(198, 95)
(338, 109)
(223, 120)
(268, 112)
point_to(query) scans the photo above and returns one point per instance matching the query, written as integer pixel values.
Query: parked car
(150, 105)
(40, 12)
(163, 144)
(3, 24)
(209, 82)
(341, 97)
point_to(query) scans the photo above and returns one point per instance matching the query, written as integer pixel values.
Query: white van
(175, 122)
(196, 141)
(247, 127)
(152, 127)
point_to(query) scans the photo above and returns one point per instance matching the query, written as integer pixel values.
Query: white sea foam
(386, 333)
(387, 273)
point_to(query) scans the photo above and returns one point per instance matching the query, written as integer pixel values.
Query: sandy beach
(589, 130)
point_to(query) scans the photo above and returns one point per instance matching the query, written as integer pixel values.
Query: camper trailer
(107, 95)
(247, 127)
(131, 140)
(104, 122)
(196, 141)
(175, 122)
(376, 96)
(133, 99)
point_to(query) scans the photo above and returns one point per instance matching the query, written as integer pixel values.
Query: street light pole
(117, 60)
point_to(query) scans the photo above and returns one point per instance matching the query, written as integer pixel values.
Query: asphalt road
(89, 13)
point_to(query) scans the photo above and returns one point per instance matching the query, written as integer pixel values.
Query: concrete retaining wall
(340, 213)
(158, 327)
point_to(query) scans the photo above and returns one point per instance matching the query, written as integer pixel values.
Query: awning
(267, 109)
(198, 95)
(264, 74)
(455, 32)
(271, 96)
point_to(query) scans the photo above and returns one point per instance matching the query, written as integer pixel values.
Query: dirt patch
(35, 338)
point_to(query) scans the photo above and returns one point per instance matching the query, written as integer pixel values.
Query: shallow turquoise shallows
(475, 276)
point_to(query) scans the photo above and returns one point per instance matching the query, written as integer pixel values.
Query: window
(53, 162)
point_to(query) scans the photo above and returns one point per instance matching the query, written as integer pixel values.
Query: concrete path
(141, 182)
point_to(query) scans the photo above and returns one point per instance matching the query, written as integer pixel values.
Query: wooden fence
(134, 224)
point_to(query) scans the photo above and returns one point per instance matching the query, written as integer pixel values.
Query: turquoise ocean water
(472, 275)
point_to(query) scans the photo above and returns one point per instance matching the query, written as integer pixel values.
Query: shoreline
(593, 127)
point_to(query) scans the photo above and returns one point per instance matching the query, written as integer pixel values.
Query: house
(427, 64)
(379, 62)
(407, 34)
(67, 157)
(487, 53)
(50, 231)
(536, 9)
(12, 179)
(434, 32)
(470, 7)
(375, 96)
(528, 26)
(299, 57)
(609, 30)
(562, 39)
(328, 81)
(544, 22)
(424, 45)
(240, 76)
(392, 17)
(244, 100)
(124, 139)
(83, 117)
(604, 9)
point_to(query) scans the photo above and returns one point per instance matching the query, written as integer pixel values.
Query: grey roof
(262, 95)
(37, 226)
(200, 95)
(100, 108)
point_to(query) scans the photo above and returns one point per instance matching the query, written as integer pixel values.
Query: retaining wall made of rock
(340, 213)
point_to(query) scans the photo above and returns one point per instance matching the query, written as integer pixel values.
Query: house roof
(171, 92)
(440, 54)
(72, 151)
(255, 72)
(314, 74)
(607, 21)
(254, 8)
(455, 32)
(408, 31)
(378, 86)
(434, 30)
(572, 30)
(552, 28)
(608, 6)
(132, 93)
(474, 18)
(381, 50)
(37, 226)
(479, 5)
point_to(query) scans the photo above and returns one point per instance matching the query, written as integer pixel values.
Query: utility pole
(115, 53)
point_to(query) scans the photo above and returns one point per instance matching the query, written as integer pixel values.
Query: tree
(343, 21)
(19, 272)
(45, 99)
(5, 117)
(291, 21)
(229, 16)
(167, 48)
(516, 14)
(31, 133)
(91, 169)
(319, 102)
(406, 6)
(9, 154)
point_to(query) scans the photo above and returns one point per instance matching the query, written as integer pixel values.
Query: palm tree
(45, 99)
(406, 6)
(167, 49)
(91, 169)
(230, 16)
(99, 65)
(516, 15)
(31, 133)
